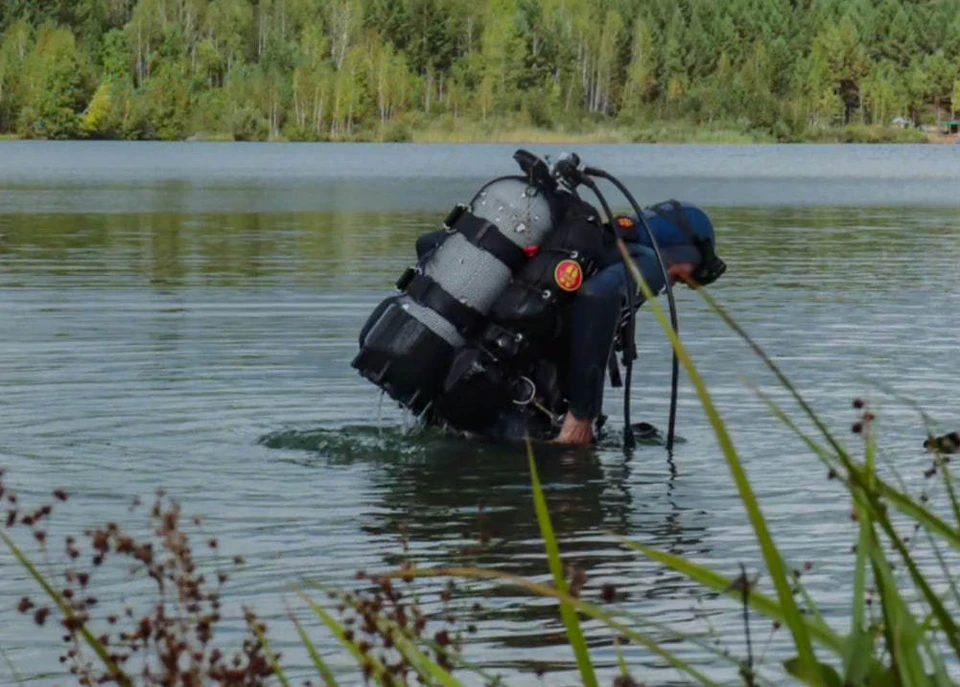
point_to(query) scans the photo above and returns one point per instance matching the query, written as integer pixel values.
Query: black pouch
(402, 356)
(476, 390)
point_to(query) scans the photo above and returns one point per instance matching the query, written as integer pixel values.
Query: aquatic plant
(168, 641)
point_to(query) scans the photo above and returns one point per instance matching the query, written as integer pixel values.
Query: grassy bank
(446, 129)
(467, 131)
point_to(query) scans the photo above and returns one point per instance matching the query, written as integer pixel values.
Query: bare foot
(575, 432)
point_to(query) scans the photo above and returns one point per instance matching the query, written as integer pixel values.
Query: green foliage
(345, 69)
(55, 86)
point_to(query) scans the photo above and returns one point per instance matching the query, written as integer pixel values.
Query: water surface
(183, 316)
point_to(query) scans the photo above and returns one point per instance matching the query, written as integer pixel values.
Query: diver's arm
(594, 318)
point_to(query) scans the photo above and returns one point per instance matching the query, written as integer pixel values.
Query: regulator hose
(628, 362)
(630, 348)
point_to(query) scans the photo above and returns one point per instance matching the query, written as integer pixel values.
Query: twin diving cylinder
(409, 342)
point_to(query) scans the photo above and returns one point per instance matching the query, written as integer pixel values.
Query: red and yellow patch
(568, 275)
(624, 222)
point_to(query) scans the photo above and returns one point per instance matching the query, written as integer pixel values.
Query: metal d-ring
(533, 392)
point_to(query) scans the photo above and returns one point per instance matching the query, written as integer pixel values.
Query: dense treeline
(349, 69)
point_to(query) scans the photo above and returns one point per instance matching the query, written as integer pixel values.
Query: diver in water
(507, 325)
(597, 317)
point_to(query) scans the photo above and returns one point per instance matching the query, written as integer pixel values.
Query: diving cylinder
(409, 341)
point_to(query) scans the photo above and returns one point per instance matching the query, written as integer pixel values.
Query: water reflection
(790, 246)
(470, 503)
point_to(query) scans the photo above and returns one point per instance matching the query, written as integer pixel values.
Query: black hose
(593, 171)
(629, 439)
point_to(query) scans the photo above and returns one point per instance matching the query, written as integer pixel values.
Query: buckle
(449, 224)
(404, 281)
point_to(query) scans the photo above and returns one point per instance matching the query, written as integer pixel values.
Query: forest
(397, 70)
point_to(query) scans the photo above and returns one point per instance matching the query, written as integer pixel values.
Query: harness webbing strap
(488, 237)
(429, 293)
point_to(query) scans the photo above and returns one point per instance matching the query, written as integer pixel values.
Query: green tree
(55, 86)
(641, 72)
(14, 45)
(500, 51)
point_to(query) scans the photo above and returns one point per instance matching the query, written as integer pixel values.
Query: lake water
(183, 316)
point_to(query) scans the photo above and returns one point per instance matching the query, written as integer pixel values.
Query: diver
(509, 321)
(595, 324)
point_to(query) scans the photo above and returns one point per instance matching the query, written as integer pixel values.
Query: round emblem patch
(624, 222)
(568, 275)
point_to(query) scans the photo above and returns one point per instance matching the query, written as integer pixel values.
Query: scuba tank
(408, 343)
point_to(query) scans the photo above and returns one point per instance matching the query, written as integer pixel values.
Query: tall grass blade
(900, 628)
(621, 661)
(14, 673)
(773, 367)
(377, 670)
(810, 602)
(271, 656)
(569, 615)
(757, 600)
(322, 668)
(948, 574)
(99, 649)
(909, 507)
(827, 458)
(901, 501)
(948, 483)
(807, 662)
(859, 644)
(876, 512)
(947, 623)
(934, 544)
(579, 605)
(931, 428)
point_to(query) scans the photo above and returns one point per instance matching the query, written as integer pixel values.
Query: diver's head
(691, 255)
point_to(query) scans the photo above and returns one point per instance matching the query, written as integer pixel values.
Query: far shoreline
(614, 136)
